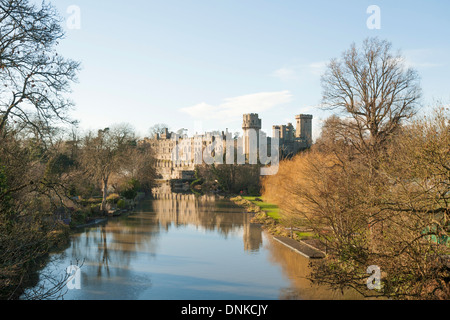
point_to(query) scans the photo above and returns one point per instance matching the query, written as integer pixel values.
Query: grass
(304, 235)
(272, 219)
(270, 209)
(273, 211)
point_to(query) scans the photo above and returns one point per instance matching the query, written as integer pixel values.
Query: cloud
(421, 58)
(285, 74)
(317, 68)
(237, 106)
(309, 108)
(301, 71)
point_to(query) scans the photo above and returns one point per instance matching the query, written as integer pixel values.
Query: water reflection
(183, 246)
(297, 268)
(207, 212)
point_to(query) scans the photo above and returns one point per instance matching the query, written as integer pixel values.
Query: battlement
(304, 127)
(176, 155)
(251, 121)
(304, 116)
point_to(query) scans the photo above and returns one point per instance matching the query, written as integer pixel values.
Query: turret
(304, 127)
(251, 125)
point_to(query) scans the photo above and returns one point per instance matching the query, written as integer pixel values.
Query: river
(183, 247)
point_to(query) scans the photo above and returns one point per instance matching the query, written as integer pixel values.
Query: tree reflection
(121, 254)
(297, 268)
(103, 253)
(209, 212)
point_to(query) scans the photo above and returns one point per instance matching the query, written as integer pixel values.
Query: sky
(201, 64)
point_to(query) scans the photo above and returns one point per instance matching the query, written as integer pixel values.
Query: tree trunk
(105, 193)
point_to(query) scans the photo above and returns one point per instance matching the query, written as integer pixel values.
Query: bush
(79, 217)
(129, 194)
(112, 198)
(121, 204)
(95, 208)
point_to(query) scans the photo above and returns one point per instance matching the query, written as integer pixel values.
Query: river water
(183, 247)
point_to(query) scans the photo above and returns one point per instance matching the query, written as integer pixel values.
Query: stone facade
(293, 141)
(177, 155)
(201, 211)
(251, 124)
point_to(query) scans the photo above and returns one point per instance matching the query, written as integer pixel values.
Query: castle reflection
(150, 254)
(209, 212)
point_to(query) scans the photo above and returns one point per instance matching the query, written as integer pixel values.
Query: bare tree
(329, 191)
(157, 129)
(106, 153)
(35, 81)
(373, 88)
(34, 76)
(375, 187)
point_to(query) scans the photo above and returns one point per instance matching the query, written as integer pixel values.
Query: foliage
(113, 198)
(121, 204)
(391, 218)
(230, 178)
(33, 170)
(374, 188)
(270, 209)
(133, 187)
(33, 75)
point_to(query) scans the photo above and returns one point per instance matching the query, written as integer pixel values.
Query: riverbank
(140, 247)
(89, 212)
(268, 216)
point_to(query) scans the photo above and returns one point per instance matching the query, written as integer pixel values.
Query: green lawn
(304, 235)
(272, 210)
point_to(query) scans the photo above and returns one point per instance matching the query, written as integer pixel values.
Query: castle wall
(177, 156)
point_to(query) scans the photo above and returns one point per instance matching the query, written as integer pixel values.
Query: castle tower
(276, 129)
(304, 127)
(251, 126)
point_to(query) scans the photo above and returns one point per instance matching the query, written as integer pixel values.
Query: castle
(177, 155)
(290, 141)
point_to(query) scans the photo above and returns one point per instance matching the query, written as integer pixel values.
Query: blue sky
(201, 64)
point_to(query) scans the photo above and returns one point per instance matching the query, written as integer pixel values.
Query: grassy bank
(270, 209)
(270, 217)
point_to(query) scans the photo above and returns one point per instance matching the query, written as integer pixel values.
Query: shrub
(121, 204)
(112, 198)
(129, 194)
